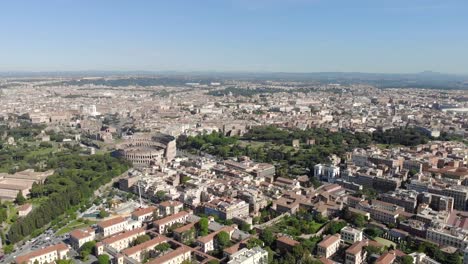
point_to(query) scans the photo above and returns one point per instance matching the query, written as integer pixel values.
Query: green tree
(3, 214)
(359, 220)
(223, 239)
(7, 249)
(271, 254)
(245, 227)
(88, 246)
(373, 232)
(103, 259)
(84, 255)
(373, 250)
(103, 213)
(64, 261)
(407, 259)
(20, 198)
(160, 195)
(453, 258)
(335, 227)
(254, 242)
(163, 247)
(203, 226)
(141, 239)
(267, 236)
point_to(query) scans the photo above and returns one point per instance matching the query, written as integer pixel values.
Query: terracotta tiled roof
(173, 254)
(145, 245)
(111, 222)
(170, 203)
(386, 258)
(329, 240)
(210, 237)
(170, 218)
(143, 211)
(184, 228)
(324, 260)
(25, 258)
(80, 234)
(357, 247)
(123, 235)
(288, 241)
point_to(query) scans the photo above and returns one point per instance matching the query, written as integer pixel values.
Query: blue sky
(395, 36)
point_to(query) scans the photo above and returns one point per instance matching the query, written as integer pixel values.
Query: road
(44, 240)
(49, 238)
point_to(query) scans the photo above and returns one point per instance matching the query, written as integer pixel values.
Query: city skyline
(235, 36)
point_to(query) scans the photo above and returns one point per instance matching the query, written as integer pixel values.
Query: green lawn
(75, 224)
(385, 242)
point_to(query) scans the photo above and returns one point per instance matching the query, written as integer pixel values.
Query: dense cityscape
(199, 169)
(234, 132)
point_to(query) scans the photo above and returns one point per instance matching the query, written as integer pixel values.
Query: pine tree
(20, 200)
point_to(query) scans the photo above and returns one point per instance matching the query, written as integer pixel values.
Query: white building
(326, 172)
(112, 226)
(143, 214)
(256, 255)
(45, 255)
(164, 223)
(79, 237)
(207, 243)
(351, 235)
(119, 241)
(421, 258)
(454, 237)
(328, 246)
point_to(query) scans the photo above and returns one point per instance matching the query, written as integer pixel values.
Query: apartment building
(386, 258)
(207, 243)
(227, 208)
(285, 244)
(256, 255)
(405, 198)
(78, 237)
(356, 254)
(112, 226)
(143, 214)
(458, 193)
(163, 224)
(454, 237)
(137, 252)
(437, 202)
(176, 256)
(381, 211)
(45, 255)
(185, 233)
(351, 235)
(120, 241)
(170, 207)
(329, 245)
(421, 258)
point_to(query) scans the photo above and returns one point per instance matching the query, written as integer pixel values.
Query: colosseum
(145, 149)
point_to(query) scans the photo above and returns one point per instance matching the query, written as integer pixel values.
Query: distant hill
(425, 79)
